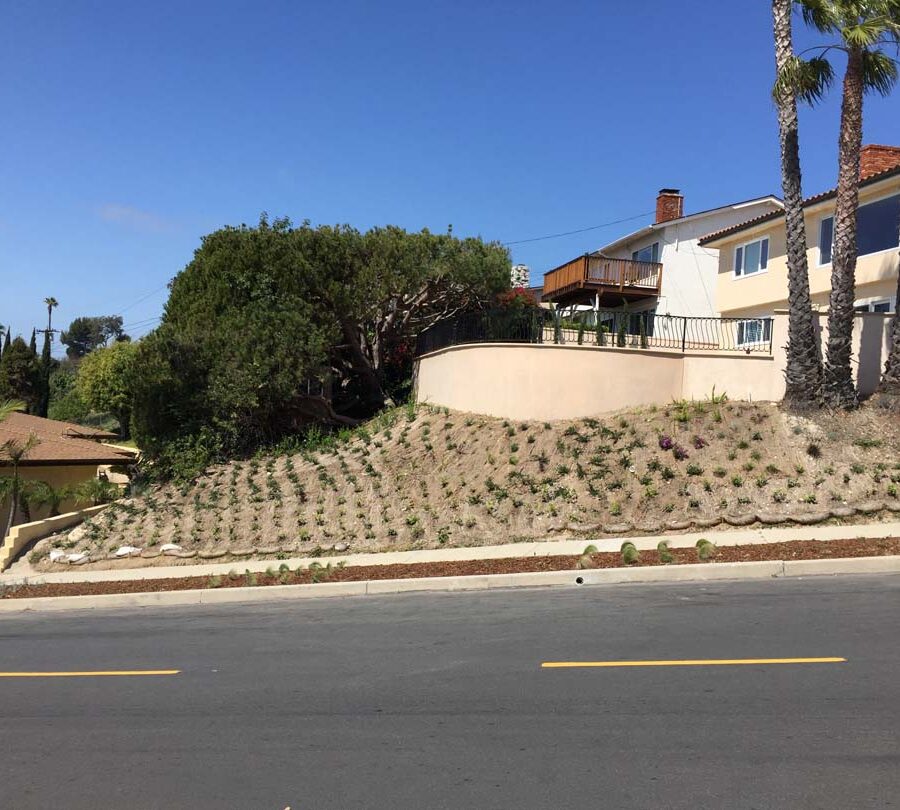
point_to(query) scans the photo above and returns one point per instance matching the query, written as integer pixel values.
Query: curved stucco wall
(525, 381)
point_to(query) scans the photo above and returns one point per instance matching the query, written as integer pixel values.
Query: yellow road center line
(86, 674)
(700, 662)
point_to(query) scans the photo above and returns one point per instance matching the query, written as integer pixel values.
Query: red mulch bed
(793, 550)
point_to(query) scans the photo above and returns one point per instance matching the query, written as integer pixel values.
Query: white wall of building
(690, 272)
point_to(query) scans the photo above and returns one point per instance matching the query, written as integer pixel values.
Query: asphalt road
(439, 701)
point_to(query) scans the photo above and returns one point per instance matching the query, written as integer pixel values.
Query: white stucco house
(660, 267)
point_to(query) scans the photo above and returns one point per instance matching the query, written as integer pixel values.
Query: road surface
(440, 701)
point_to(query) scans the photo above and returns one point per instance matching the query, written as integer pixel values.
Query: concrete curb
(539, 548)
(703, 572)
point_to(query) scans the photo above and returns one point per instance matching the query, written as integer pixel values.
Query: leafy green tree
(863, 30)
(263, 315)
(19, 377)
(86, 334)
(65, 403)
(105, 381)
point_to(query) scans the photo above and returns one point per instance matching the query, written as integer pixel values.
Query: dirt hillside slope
(426, 477)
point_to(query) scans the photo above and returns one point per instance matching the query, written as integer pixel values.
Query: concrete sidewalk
(734, 537)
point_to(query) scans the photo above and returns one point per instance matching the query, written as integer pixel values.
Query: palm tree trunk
(14, 501)
(803, 375)
(840, 391)
(889, 387)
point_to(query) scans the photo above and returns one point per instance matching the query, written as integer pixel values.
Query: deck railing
(607, 328)
(602, 273)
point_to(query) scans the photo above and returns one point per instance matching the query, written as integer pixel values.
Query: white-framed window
(877, 228)
(875, 305)
(650, 253)
(754, 331)
(751, 257)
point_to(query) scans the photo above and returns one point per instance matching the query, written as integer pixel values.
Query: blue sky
(131, 129)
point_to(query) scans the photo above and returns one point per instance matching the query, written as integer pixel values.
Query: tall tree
(864, 28)
(51, 303)
(32, 345)
(807, 80)
(889, 387)
(6, 343)
(88, 333)
(19, 374)
(105, 381)
(46, 368)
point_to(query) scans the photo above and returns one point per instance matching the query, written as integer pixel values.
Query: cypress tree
(6, 344)
(33, 344)
(46, 368)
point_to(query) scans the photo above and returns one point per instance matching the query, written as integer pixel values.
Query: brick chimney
(872, 160)
(669, 205)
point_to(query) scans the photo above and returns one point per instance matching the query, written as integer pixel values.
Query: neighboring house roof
(649, 229)
(816, 198)
(59, 443)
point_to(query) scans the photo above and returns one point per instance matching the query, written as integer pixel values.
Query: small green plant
(866, 443)
(694, 469)
(630, 554)
(665, 555)
(615, 508)
(705, 549)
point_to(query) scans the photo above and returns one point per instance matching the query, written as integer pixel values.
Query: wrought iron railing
(605, 328)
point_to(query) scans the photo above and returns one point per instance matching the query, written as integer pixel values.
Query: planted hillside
(426, 478)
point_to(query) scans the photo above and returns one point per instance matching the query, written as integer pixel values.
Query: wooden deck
(581, 279)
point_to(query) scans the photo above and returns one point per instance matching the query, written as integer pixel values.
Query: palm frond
(10, 406)
(879, 72)
(806, 79)
(821, 14)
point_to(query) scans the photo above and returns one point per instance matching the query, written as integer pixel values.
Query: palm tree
(807, 80)
(15, 453)
(51, 302)
(863, 28)
(889, 387)
(40, 493)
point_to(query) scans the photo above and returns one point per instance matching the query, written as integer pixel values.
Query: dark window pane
(878, 226)
(826, 237)
(738, 261)
(764, 255)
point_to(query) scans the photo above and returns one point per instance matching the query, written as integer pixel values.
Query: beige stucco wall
(527, 381)
(57, 477)
(761, 293)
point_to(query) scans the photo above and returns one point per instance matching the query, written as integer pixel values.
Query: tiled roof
(816, 198)
(58, 442)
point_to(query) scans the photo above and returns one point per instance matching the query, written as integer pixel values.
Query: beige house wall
(547, 382)
(761, 293)
(57, 476)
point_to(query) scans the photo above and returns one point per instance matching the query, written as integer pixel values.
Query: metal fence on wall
(609, 328)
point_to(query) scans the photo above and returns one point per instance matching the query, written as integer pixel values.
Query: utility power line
(580, 230)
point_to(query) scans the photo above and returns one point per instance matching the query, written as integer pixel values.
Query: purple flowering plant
(665, 442)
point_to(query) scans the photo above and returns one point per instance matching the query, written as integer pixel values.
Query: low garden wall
(548, 381)
(24, 533)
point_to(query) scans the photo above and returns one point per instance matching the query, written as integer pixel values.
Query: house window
(646, 254)
(883, 305)
(826, 237)
(752, 257)
(754, 330)
(877, 229)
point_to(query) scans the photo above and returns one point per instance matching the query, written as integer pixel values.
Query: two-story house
(752, 272)
(660, 268)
